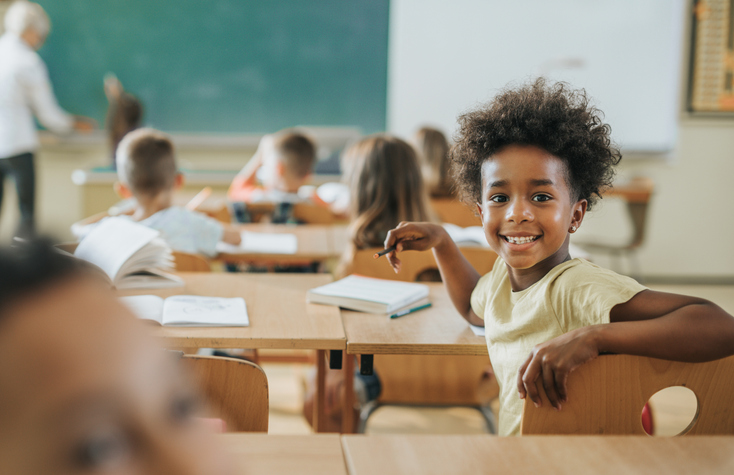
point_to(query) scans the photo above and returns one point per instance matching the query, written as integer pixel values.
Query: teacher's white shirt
(25, 90)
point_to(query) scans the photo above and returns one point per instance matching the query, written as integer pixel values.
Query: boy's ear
(122, 190)
(579, 211)
(179, 181)
(280, 168)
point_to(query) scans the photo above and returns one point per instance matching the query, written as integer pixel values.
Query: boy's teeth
(521, 240)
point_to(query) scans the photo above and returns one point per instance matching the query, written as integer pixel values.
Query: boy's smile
(527, 211)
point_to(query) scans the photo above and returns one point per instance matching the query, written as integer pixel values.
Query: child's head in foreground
(146, 164)
(386, 186)
(289, 158)
(83, 386)
(433, 151)
(533, 160)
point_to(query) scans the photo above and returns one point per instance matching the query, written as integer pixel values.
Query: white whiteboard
(447, 56)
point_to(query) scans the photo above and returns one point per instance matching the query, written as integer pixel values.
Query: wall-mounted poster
(711, 86)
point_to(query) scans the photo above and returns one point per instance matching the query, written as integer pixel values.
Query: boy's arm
(231, 236)
(247, 177)
(654, 324)
(458, 275)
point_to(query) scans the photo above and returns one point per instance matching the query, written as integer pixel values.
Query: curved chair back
(236, 391)
(187, 262)
(606, 396)
(454, 211)
(415, 263)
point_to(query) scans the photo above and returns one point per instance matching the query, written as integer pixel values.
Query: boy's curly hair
(550, 116)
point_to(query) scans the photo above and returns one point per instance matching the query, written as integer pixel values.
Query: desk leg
(348, 401)
(319, 420)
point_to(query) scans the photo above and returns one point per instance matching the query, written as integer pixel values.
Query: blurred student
(384, 177)
(385, 180)
(147, 172)
(124, 114)
(277, 173)
(433, 151)
(85, 389)
(25, 91)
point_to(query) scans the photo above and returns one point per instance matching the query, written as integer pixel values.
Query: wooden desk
(262, 454)
(428, 455)
(438, 330)
(279, 316)
(276, 305)
(315, 244)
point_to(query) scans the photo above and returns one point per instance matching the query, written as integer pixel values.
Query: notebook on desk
(366, 294)
(262, 243)
(132, 255)
(189, 310)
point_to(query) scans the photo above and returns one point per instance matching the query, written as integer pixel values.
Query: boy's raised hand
(413, 237)
(553, 361)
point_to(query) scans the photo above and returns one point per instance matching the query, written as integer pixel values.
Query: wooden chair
(236, 391)
(451, 210)
(311, 213)
(187, 262)
(415, 263)
(636, 196)
(606, 396)
(430, 380)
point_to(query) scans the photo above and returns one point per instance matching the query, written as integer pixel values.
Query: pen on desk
(384, 251)
(410, 310)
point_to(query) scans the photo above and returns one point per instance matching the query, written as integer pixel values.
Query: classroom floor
(673, 408)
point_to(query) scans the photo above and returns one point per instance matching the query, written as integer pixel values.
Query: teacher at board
(25, 92)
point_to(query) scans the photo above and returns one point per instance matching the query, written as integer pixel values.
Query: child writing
(146, 168)
(85, 388)
(433, 151)
(533, 161)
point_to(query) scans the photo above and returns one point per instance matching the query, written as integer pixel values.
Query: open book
(132, 255)
(366, 294)
(469, 236)
(262, 243)
(190, 310)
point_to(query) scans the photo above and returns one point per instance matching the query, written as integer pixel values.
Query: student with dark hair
(533, 161)
(433, 151)
(124, 114)
(83, 386)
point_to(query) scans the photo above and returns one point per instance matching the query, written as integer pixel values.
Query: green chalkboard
(231, 66)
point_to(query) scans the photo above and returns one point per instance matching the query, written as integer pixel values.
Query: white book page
(148, 307)
(112, 242)
(388, 292)
(262, 243)
(478, 331)
(472, 235)
(194, 310)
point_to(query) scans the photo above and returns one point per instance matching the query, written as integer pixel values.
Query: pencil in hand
(390, 249)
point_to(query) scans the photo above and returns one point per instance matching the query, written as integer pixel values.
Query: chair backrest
(636, 195)
(434, 379)
(454, 211)
(415, 263)
(236, 391)
(606, 396)
(187, 262)
(311, 213)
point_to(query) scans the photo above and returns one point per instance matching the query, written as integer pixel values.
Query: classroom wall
(691, 228)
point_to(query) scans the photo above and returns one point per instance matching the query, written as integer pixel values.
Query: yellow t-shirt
(572, 295)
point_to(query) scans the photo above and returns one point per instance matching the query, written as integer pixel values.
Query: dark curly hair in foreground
(550, 116)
